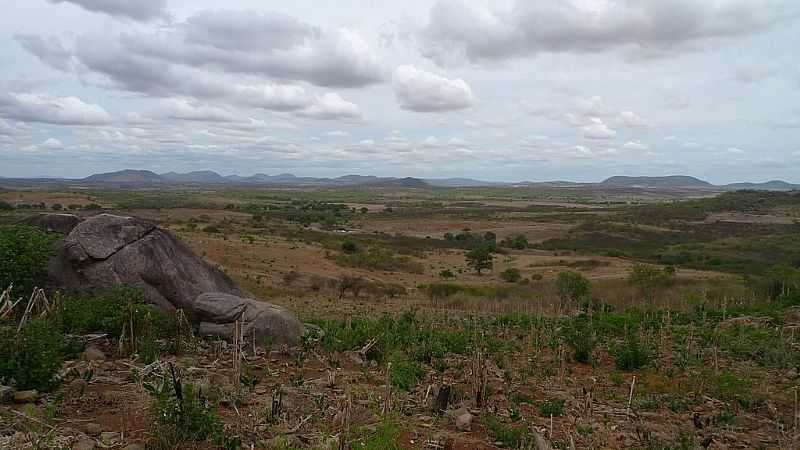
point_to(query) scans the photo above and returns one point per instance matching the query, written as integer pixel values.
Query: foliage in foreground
(24, 252)
(31, 359)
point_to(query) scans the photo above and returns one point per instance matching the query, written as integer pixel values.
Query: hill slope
(671, 181)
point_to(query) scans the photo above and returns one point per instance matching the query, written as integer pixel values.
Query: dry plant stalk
(38, 302)
(387, 403)
(630, 395)
(237, 351)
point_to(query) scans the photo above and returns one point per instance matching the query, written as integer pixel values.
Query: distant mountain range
(130, 177)
(687, 182)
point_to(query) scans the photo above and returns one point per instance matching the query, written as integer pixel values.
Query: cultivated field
(599, 319)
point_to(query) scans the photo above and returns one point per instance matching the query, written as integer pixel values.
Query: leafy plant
(572, 287)
(632, 354)
(181, 416)
(33, 357)
(24, 252)
(553, 408)
(511, 275)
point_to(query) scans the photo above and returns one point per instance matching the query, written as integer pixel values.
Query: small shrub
(572, 287)
(553, 408)
(349, 247)
(405, 373)
(580, 337)
(443, 290)
(632, 354)
(446, 274)
(386, 437)
(182, 417)
(511, 275)
(511, 437)
(33, 357)
(24, 252)
(212, 229)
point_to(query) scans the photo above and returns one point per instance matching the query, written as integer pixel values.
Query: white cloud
(50, 51)
(636, 145)
(691, 145)
(52, 144)
(598, 130)
(139, 10)
(45, 108)
(458, 29)
(421, 91)
(183, 109)
(331, 106)
(336, 133)
(633, 120)
(735, 150)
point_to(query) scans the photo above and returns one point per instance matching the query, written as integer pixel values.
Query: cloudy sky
(497, 90)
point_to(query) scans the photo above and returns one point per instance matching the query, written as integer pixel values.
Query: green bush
(5, 206)
(379, 259)
(553, 408)
(579, 335)
(24, 252)
(511, 437)
(182, 417)
(105, 313)
(511, 275)
(33, 357)
(632, 354)
(405, 372)
(349, 247)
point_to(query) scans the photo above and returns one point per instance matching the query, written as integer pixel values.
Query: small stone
(464, 422)
(109, 438)
(93, 353)
(93, 429)
(84, 444)
(26, 396)
(6, 394)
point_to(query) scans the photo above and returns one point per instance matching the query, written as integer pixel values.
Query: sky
(501, 90)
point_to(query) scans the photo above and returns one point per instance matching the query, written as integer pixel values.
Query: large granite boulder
(52, 223)
(107, 251)
(217, 313)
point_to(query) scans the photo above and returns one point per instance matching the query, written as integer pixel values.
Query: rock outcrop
(53, 223)
(217, 313)
(107, 251)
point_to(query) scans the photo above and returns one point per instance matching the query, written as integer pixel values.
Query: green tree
(517, 242)
(649, 280)
(572, 288)
(24, 252)
(480, 258)
(511, 275)
(5, 206)
(782, 279)
(349, 247)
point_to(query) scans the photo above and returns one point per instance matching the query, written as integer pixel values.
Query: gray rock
(109, 438)
(217, 313)
(106, 251)
(464, 422)
(6, 394)
(26, 396)
(53, 223)
(84, 444)
(93, 353)
(93, 429)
